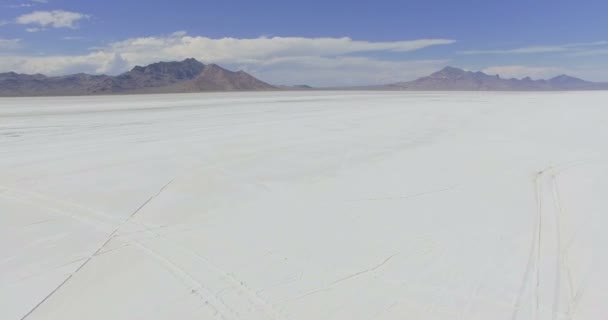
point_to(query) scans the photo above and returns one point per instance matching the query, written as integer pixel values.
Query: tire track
(534, 243)
(73, 210)
(539, 237)
(57, 208)
(548, 222)
(252, 298)
(90, 258)
(558, 212)
(222, 310)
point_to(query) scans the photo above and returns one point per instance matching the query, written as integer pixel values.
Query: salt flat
(306, 205)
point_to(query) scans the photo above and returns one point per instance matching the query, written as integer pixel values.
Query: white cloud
(520, 71)
(281, 60)
(97, 62)
(29, 4)
(9, 44)
(73, 38)
(536, 49)
(55, 19)
(179, 45)
(569, 47)
(595, 52)
(21, 5)
(34, 29)
(3, 23)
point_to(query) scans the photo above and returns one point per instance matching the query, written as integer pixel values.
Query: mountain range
(455, 79)
(191, 75)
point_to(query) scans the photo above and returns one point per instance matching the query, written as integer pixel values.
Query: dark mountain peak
(451, 78)
(450, 69)
(448, 72)
(9, 75)
(188, 75)
(186, 69)
(564, 78)
(454, 75)
(18, 76)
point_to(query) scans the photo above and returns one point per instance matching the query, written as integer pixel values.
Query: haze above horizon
(317, 43)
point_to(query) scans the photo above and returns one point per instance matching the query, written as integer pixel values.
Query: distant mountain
(454, 79)
(567, 82)
(189, 75)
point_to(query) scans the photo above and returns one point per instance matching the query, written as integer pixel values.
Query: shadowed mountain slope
(450, 78)
(189, 75)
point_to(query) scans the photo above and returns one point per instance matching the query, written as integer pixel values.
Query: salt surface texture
(358, 205)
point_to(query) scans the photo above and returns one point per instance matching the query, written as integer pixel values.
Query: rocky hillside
(454, 79)
(189, 75)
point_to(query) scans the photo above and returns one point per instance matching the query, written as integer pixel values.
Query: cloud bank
(52, 19)
(280, 60)
(569, 47)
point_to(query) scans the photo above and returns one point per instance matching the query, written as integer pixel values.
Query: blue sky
(313, 42)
